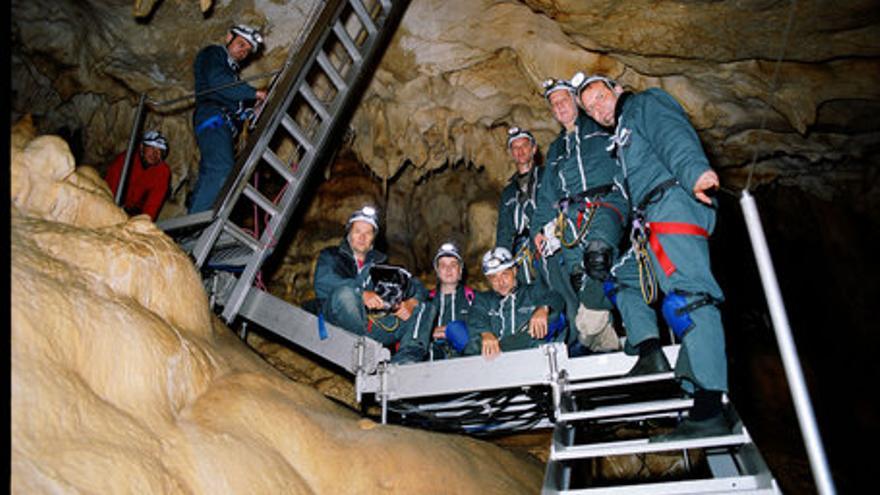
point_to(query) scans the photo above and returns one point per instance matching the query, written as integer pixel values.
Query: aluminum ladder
(733, 463)
(292, 137)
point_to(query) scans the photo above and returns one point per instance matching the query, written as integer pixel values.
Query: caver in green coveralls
(579, 170)
(438, 310)
(339, 287)
(508, 317)
(515, 228)
(657, 145)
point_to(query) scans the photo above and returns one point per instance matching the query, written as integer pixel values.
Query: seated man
(514, 316)
(347, 293)
(148, 176)
(439, 329)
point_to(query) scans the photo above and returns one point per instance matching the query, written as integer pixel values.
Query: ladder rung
(364, 16)
(560, 452)
(297, 133)
(331, 72)
(347, 42)
(751, 484)
(627, 409)
(241, 236)
(261, 200)
(616, 382)
(314, 102)
(279, 166)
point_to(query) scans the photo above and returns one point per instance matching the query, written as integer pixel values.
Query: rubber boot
(651, 360)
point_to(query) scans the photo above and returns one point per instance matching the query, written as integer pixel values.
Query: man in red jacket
(148, 176)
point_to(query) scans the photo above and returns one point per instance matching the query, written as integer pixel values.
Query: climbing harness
(588, 202)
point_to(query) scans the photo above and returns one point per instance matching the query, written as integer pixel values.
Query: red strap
(580, 218)
(369, 326)
(675, 228)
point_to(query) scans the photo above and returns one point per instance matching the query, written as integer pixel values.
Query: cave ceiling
(459, 72)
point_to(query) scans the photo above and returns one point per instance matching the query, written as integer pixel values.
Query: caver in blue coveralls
(216, 122)
(661, 158)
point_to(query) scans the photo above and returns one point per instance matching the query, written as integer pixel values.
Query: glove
(597, 260)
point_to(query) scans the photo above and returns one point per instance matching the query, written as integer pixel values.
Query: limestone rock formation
(123, 382)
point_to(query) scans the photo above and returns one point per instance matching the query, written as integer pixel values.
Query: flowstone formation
(123, 381)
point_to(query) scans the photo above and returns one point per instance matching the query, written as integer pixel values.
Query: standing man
(148, 176)
(439, 328)
(518, 201)
(514, 316)
(219, 114)
(346, 291)
(585, 212)
(666, 177)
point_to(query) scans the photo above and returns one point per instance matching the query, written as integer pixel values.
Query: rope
(524, 257)
(647, 277)
(772, 89)
(154, 103)
(378, 321)
(579, 232)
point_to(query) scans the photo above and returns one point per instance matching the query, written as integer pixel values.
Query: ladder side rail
(301, 328)
(744, 484)
(325, 132)
(791, 364)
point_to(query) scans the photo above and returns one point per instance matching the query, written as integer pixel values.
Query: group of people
(617, 217)
(619, 213)
(223, 104)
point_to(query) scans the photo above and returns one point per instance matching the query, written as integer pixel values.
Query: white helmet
(515, 133)
(580, 81)
(496, 260)
(447, 249)
(553, 85)
(251, 35)
(156, 140)
(365, 214)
